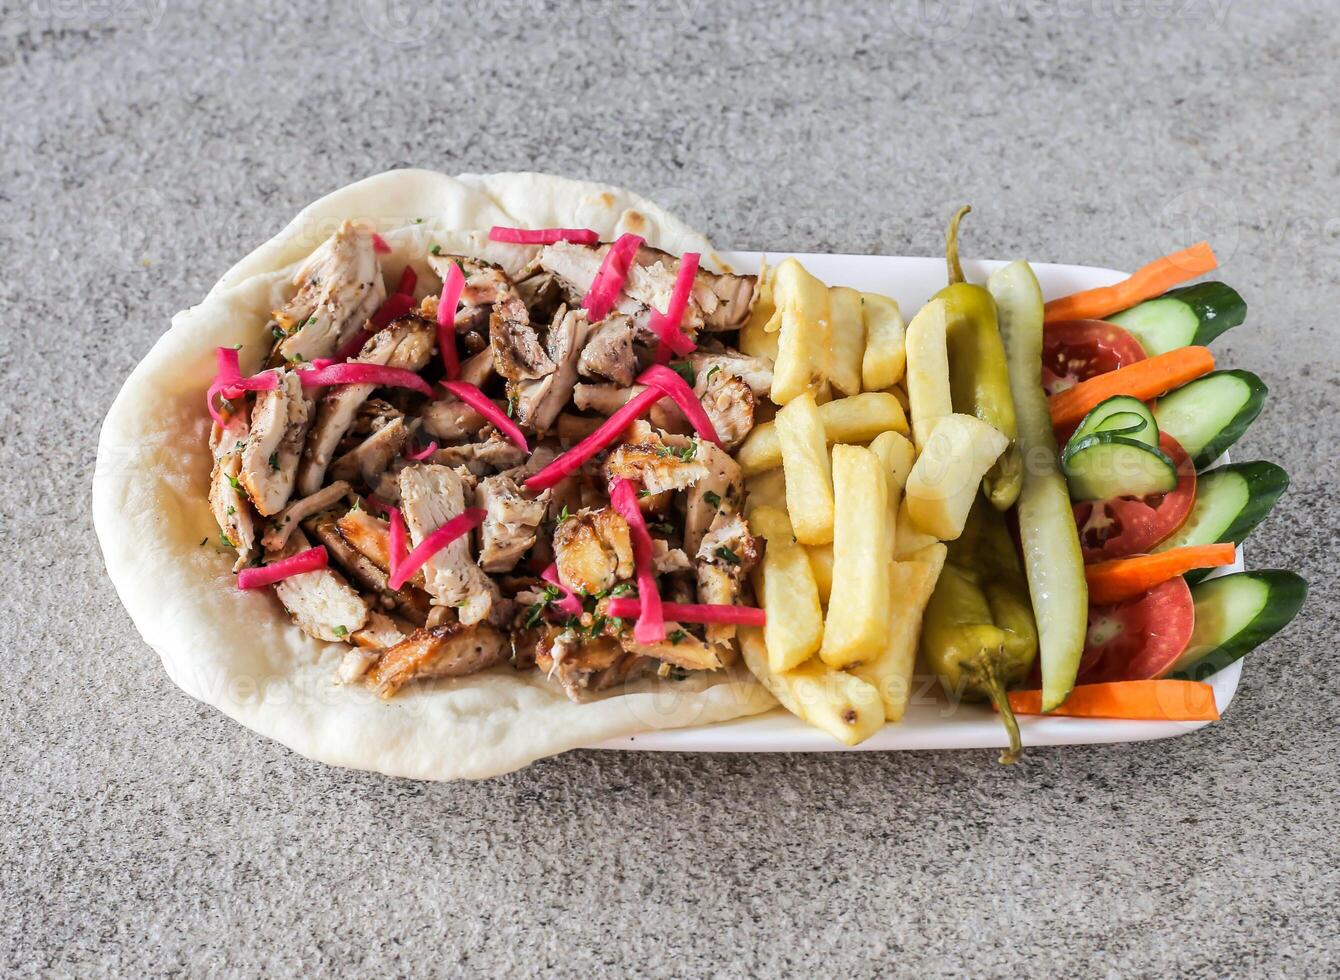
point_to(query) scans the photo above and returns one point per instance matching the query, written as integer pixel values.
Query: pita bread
(238, 651)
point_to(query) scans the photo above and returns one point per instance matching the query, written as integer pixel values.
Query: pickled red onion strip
(650, 626)
(660, 376)
(494, 415)
(609, 281)
(569, 605)
(446, 320)
(397, 550)
(460, 525)
(423, 453)
(543, 236)
(667, 325)
(573, 460)
(396, 306)
(228, 380)
(311, 560)
(408, 280)
(354, 373)
(692, 612)
(379, 244)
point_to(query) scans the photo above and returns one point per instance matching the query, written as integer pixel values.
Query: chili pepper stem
(951, 246)
(995, 690)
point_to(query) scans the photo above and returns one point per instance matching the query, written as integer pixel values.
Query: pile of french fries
(852, 500)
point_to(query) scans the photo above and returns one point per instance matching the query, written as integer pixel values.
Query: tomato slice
(1139, 639)
(1124, 526)
(1077, 350)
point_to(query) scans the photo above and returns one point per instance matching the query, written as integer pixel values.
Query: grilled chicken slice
(366, 564)
(539, 402)
(270, 457)
(512, 524)
(339, 287)
(450, 650)
(543, 295)
(593, 550)
(431, 495)
(680, 647)
(451, 420)
(608, 399)
(608, 352)
(478, 368)
(276, 536)
(518, 354)
(321, 603)
(756, 372)
(584, 665)
(231, 509)
(657, 461)
(715, 498)
(379, 635)
(725, 556)
(497, 452)
(729, 404)
(407, 343)
(369, 459)
(666, 560)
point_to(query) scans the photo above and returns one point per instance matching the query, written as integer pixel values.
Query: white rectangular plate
(931, 722)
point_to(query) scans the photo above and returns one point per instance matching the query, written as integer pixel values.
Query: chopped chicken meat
(450, 650)
(431, 495)
(284, 523)
(369, 459)
(227, 502)
(729, 404)
(716, 497)
(584, 665)
(339, 287)
(270, 457)
(608, 352)
(538, 402)
(725, 556)
(593, 550)
(512, 524)
(321, 603)
(656, 461)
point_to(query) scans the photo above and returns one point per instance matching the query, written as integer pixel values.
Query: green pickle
(979, 378)
(978, 635)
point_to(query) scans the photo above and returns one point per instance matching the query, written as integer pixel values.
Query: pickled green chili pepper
(978, 634)
(979, 379)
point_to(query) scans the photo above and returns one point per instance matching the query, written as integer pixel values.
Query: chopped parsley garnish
(231, 510)
(237, 346)
(227, 542)
(418, 221)
(714, 370)
(232, 480)
(726, 555)
(663, 527)
(712, 498)
(533, 615)
(274, 460)
(623, 588)
(685, 370)
(677, 637)
(511, 407)
(435, 250)
(563, 514)
(684, 453)
(341, 631)
(677, 673)
(277, 333)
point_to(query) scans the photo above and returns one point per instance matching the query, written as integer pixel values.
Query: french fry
(897, 392)
(821, 564)
(908, 538)
(928, 370)
(805, 341)
(912, 583)
(857, 419)
(809, 476)
(885, 355)
(946, 475)
(765, 490)
(833, 701)
(795, 624)
(858, 607)
(896, 456)
(848, 339)
(755, 339)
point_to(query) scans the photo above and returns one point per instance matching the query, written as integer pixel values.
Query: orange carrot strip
(1144, 380)
(1126, 578)
(1153, 280)
(1134, 700)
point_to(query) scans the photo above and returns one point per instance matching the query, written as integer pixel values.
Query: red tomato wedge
(1077, 350)
(1124, 526)
(1139, 639)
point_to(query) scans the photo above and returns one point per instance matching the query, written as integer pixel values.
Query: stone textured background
(148, 143)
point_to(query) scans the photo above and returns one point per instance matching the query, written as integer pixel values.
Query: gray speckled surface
(148, 144)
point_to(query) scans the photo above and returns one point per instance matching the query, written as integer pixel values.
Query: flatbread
(238, 651)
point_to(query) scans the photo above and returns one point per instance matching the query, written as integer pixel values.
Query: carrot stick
(1144, 380)
(1134, 700)
(1153, 280)
(1126, 578)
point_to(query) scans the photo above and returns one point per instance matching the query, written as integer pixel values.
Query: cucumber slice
(1104, 465)
(1120, 415)
(1230, 502)
(1182, 317)
(1234, 615)
(1211, 413)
